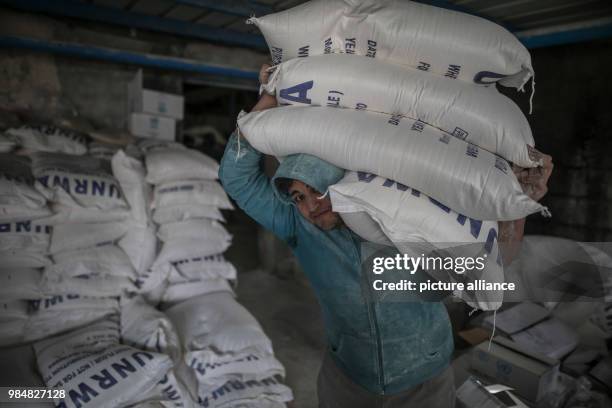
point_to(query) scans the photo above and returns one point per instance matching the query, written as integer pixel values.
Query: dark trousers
(336, 390)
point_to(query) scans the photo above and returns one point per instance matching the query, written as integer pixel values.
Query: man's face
(314, 209)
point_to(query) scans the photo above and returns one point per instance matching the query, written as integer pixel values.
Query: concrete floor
(290, 316)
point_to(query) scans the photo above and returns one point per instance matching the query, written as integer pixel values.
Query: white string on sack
(493, 332)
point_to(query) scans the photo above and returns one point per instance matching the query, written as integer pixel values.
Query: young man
(380, 354)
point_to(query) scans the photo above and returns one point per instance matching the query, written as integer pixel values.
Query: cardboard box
(153, 126)
(530, 374)
(152, 101)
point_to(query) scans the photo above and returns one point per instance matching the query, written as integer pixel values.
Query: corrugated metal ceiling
(518, 15)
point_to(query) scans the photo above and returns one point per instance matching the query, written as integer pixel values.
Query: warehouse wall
(572, 121)
(51, 87)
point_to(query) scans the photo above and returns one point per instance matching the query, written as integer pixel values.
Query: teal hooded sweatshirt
(385, 347)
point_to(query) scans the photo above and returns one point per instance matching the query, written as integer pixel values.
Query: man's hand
(266, 101)
(534, 180)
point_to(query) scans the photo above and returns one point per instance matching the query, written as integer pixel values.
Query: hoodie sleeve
(244, 180)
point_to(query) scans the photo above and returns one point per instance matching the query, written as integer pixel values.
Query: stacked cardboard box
(152, 113)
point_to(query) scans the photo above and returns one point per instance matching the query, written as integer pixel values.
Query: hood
(308, 169)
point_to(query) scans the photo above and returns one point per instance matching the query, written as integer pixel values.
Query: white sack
(81, 181)
(27, 235)
(152, 282)
(65, 214)
(97, 373)
(445, 42)
(24, 259)
(265, 393)
(68, 237)
(194, 192)
(54, 283)
(471, 181)
(362, 224)
(140, 245)
(7, 143)
(46, 138)
(181, 291)
(412, 220)
(217, 322)
(131, 173)
(173, 164)
(57, 314)
(192, 238)
(18, 198)
(103, 260)
(20, 284)
(202, 267)
(199, 229)
(146, 328)
(477, 115)
(184, 212)
(211, 371)
(13, 310)
(169, 392)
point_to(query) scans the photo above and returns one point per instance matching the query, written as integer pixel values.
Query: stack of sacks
(415, 108)
(24, 245)
(95, 370)
(89, 269)
(186, 203)
(228, 360)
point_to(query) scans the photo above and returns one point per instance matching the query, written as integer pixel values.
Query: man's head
(302, 180)
(312, 206)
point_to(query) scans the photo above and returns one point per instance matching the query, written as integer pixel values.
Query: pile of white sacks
(113, 271)
(403, 96)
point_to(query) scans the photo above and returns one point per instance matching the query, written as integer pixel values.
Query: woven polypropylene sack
(146, 328)
(117, 374)
(469, 180)
(449, 43)
(19, 199)
(46, 138)
(68, 237)
(477, 115)
(184, 212)
(20, 284)
(103, 260)
(217, 321)
(171, 164)
(78, 181)
(53, 315)
(413, 221)
(27, 235)
(131, 173)
(196, 192)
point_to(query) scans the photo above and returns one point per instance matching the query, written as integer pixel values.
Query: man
(380, 354)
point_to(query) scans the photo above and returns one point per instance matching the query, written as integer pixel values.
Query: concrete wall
(51, 88)
(572, 121)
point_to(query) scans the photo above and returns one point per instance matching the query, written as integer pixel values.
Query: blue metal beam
(241, 8)
(92, 12)
(565, 36)
(125, 57)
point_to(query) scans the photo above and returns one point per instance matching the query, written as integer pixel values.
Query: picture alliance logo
(399, 262)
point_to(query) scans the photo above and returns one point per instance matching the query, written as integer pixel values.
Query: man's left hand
(534, 181)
